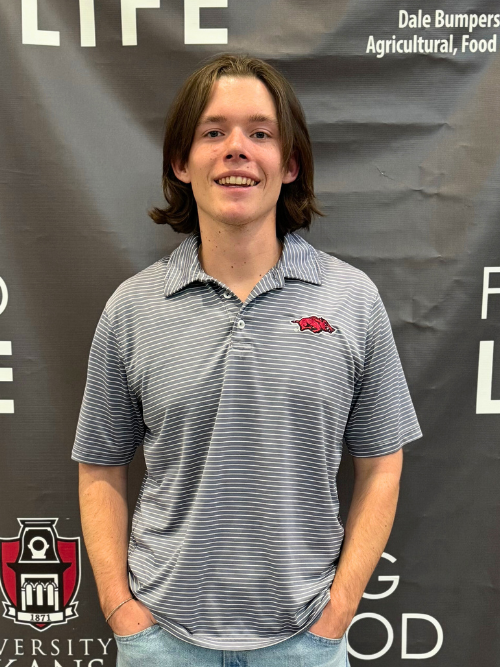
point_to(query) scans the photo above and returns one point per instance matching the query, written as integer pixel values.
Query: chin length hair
(296, 204)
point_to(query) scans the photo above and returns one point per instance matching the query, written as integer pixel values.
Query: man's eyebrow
(261, 118)
(255, 118)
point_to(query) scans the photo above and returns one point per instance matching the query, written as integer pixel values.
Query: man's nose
(236, 145)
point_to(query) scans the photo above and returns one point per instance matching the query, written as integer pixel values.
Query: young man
(240, 362)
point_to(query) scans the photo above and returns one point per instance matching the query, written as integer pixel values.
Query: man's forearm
(104, 515)
(368, 526)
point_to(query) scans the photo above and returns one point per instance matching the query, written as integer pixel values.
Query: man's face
(237, 136)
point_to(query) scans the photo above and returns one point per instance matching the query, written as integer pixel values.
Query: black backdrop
(406, 147)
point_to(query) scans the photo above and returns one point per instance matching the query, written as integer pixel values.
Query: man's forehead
(246, 96)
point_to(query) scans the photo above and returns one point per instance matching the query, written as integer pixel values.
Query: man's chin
(235, 220)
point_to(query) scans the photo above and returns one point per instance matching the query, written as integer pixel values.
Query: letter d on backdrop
(404, 637)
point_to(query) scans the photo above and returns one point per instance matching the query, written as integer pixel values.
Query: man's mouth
(239, 181)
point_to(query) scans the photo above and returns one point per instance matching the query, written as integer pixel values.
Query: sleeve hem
(99, 462)
(388, 447)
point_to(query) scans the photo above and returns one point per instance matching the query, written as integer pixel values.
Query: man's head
(237, 114)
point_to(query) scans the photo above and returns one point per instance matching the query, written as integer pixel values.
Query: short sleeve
(382, 418)
(110, 426)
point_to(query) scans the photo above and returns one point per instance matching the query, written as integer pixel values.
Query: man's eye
(264, 135)
(212, 133)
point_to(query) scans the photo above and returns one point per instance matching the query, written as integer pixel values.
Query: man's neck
(239, 256)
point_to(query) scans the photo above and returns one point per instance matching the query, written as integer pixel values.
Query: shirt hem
(250, 645)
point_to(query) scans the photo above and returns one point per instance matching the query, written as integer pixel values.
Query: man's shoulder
(146, 285)
(336, 272)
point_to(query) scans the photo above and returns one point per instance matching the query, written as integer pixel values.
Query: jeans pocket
(323, 640)
(138, 635)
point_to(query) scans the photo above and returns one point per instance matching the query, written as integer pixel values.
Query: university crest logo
(39, 575)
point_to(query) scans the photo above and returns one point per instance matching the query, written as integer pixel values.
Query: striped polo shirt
(242, 409)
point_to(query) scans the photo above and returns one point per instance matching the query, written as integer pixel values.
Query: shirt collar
(298, 261)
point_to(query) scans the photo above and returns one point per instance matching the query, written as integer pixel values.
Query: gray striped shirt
(242, 409)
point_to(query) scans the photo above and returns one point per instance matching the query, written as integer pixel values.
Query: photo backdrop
(403, 105)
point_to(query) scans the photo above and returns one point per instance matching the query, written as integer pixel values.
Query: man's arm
(368, 526)
(104, 515)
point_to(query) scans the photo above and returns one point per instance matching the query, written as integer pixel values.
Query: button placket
(229, 306)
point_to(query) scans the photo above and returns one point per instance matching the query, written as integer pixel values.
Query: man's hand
(131, 618)
(333, 622)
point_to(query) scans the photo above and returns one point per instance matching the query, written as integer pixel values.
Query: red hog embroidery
(314, 324)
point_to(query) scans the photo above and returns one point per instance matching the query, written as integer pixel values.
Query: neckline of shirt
(299, 260)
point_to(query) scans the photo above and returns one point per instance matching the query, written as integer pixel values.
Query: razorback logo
(314, 324)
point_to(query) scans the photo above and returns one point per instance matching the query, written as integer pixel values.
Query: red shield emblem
(39, 574)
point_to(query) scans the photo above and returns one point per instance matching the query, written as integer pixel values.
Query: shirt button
(240, 324)
(227, 295)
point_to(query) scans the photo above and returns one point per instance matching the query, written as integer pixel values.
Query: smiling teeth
(236, 180)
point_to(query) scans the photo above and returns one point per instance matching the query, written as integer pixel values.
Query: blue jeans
(155, 647)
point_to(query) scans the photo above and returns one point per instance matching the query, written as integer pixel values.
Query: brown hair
(296, 204)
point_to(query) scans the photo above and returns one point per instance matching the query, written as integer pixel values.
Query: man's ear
(181, 171)
(291, 173)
